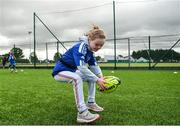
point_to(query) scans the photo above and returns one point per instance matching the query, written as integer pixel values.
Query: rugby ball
(112, 83)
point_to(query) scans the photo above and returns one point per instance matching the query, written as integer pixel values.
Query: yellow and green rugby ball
(111, 85)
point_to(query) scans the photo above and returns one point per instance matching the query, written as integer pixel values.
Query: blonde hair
(95, 33)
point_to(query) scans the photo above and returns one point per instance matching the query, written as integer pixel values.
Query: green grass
(140, 64)
(118, 64)
(32, 97)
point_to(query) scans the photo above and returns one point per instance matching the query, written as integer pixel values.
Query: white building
(142, 60)
(119, 58)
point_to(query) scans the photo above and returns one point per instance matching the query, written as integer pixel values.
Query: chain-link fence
(40, 47)
(127, 50)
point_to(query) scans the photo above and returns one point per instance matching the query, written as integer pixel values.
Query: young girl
(71, 67)
(12, 62)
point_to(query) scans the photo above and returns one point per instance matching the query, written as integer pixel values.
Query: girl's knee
(77, 78)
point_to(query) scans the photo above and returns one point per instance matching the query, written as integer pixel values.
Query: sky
(70, 19)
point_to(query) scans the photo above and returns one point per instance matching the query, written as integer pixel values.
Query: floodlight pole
(29, 33)
(34, 20)
(114, 20)
(14, 46)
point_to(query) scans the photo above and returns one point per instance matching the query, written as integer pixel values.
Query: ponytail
(95, 33)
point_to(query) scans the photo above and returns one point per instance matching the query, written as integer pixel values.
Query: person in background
(4, 60)
(12, 62)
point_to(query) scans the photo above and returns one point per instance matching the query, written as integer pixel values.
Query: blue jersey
(11, 59)
(78, 55)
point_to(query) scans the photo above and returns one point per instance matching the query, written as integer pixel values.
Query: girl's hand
(101, 83)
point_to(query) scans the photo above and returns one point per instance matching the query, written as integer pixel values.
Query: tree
(22, 60)
(158, 55)
(98, 58)
(18, 53)
(32, 57)
(57, 55)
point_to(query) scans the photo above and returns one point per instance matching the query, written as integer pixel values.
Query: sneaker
(87, 117)
(11, 70)
(94, 107)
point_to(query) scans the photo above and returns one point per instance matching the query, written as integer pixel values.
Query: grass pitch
(32, 97)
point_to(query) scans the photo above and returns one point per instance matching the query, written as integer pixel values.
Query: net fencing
(65, 28)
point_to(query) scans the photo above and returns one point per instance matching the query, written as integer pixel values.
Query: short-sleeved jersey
(11, 59)
(78, 55)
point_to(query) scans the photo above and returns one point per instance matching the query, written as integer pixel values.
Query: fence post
(149, 39)
(47, 53)
(114, 20)
(57, 47)
(129, 55)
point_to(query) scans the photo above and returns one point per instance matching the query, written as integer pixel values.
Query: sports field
(112, 65)
(145, 97)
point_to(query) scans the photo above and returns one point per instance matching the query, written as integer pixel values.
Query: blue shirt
(78, 55)
(11, 59)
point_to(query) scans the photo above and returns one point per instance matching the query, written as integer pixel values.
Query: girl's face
(96, 44)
